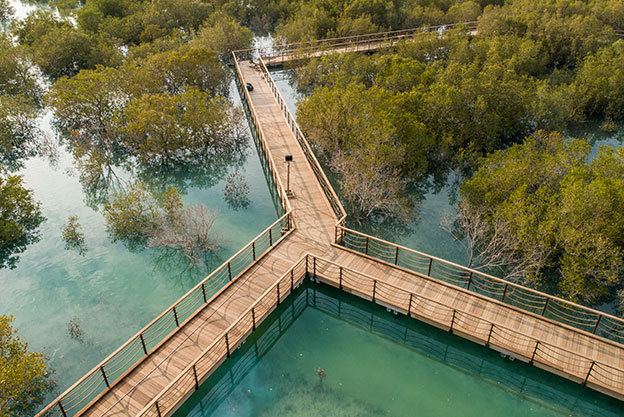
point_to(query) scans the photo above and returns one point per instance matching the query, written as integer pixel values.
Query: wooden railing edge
(485, 298)
(137, 335)
(173, 382)
(143, 330)
(286, 110)
(494, 278)
(367, 276)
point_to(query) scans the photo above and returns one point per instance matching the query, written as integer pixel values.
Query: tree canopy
(548, 217)
(24, 377)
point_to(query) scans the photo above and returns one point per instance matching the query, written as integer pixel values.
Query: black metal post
(340, 278)
(545, 305)
(204, 292)
(504, 292)
(307, 269)
(253, 248)
(104, 375)
(490, 335)
(589, 372)
(597, 323)
(292, 280)
(143, 343)
(314, 262)
(452, 321)
(175, 315)
(469, 280)
(534, 353)
(278, 294)
(270, 237)
(227, 345)
(157, 409)
(430, 263)
(253, 318)
(230, 271)
(396, 256)
(195, 375)
(374, 289)
(366, 252)
(62, 409)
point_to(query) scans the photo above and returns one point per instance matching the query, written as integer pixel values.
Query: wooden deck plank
(314, 234)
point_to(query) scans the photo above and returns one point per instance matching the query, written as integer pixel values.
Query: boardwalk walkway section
(166, 361)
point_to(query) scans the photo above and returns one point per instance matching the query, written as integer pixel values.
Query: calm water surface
(113, 292)
(377, 364)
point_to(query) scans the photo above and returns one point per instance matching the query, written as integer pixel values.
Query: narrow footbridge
(164, 363)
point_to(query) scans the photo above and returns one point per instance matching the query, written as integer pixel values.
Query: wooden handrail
(286, 277)
(200, 287)
(504, 283)
(312, 160)
(340, 270)
(175, 387)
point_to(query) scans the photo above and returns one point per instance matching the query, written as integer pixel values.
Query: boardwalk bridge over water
(164, 363)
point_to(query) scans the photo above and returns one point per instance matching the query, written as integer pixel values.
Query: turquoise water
(377, 364)
(111, 291)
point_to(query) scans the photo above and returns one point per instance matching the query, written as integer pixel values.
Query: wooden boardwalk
(167, 374)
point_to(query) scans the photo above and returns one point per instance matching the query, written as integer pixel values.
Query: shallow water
(112, 291)
(377, 364)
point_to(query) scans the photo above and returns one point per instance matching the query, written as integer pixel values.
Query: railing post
(589, 372)
(490, 335)
(143, 343)
(374, 289)
(429, 270)
(409, 307)
(340, 278)
(314, 262)
(104, 375)
(278, 293)
(396, 256)
(253, 318)
(366, 252)
(270, 237)
(504, 293)
(62, 409)
(534, 353)
(230, 270)
(253, 247)
(175, 315)
(204, 292)
(469, 280)
(195, 375)
(307, 268)
(157, 409)
(227, 345)
(597, 323)
(292, 280)
(452, 321)
(545, 305)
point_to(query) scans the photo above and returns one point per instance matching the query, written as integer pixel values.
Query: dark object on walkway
(249, 87)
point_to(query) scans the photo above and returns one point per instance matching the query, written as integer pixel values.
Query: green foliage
(598, 88)
(73, 237)
(560, 217)
(24, 377)
(6, 11)
(221, 33)
(138, 218)
(132, 217)
(20, 217)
